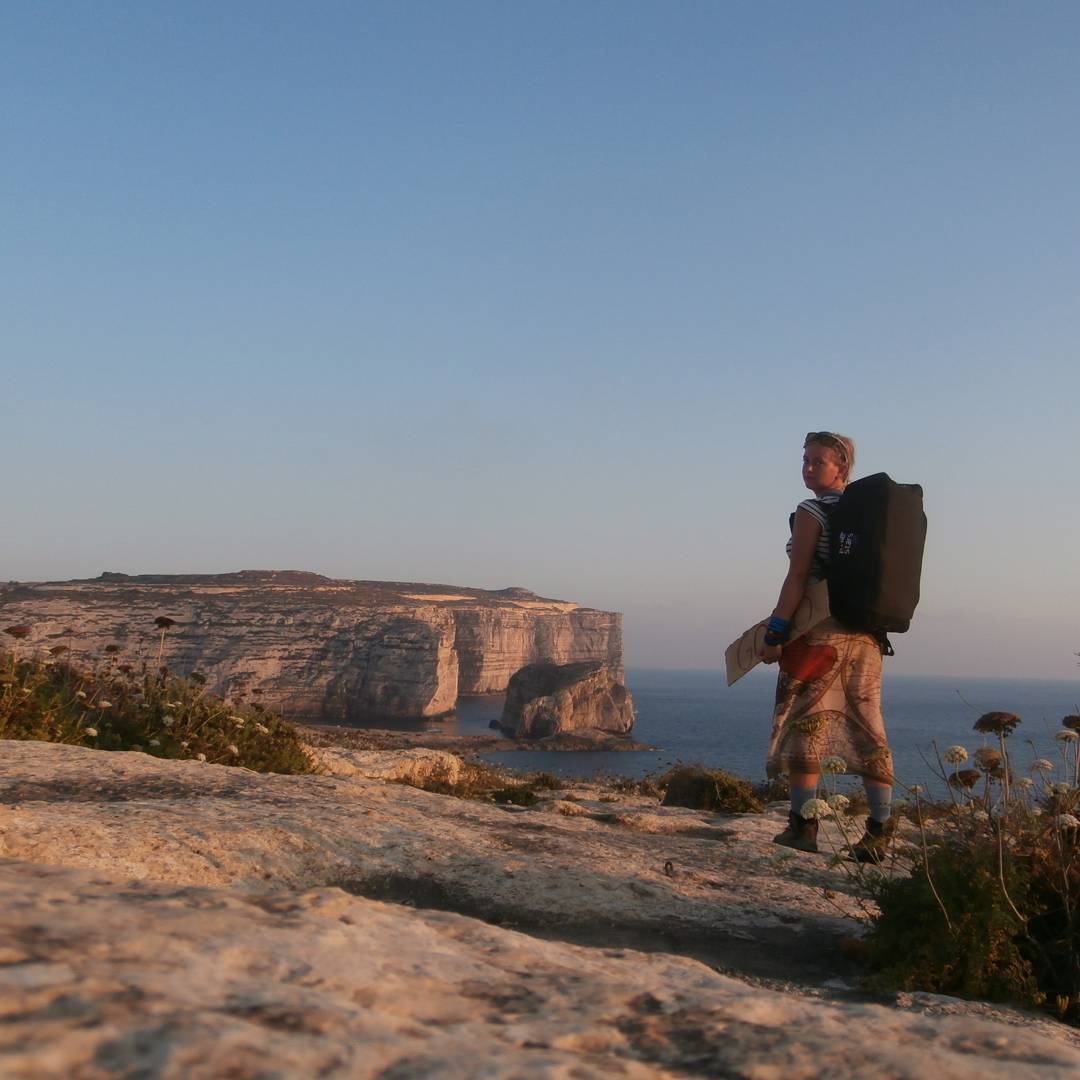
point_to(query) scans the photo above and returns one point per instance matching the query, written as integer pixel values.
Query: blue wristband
(777, 631)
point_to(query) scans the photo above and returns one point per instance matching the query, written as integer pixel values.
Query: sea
(694, 717)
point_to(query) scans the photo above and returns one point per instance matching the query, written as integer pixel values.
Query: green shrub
(515, 795)
(774, 790)
(545, 781)
(475, 781)
(975, 952)
(116, 706)
(992, 906)
(488, 783)
(709, 789)
(647, 786)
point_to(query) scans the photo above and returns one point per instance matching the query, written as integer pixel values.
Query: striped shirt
(818, 509)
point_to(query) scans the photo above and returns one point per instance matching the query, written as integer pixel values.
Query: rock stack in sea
(549, 699)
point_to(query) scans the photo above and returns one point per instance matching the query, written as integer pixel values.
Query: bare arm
(803, 544)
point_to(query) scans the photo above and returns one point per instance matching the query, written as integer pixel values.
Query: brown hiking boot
(800, 834)
(875, 840)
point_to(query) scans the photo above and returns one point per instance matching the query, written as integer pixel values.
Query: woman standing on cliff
(828, 692)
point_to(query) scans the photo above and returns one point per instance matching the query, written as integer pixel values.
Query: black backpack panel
(877, 532)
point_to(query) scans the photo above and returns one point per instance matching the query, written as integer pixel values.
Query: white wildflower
(1067, 736)
(103, 704)
(987, 758)
(1061, 788)
(981, 815)
(232, 750)
(91, 731)
(955, 755)
(200, 757)
(1067, 821)
(916, 789)
(80, 693)
(168, 719)
(1025, 783)
(834, 765)
(838, 803)
(155, 742)
(262, 729)
(172, 704)
(185, 744)
(1042, 765)
(815, 808)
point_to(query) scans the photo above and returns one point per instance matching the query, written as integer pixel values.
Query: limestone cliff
(316, 648)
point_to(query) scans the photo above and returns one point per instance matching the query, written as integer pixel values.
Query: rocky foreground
(178, 919)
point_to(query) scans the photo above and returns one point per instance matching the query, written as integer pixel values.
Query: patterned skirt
(828, 704)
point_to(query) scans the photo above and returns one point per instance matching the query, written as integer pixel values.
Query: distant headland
(317, 649)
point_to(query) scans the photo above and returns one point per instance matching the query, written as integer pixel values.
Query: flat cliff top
(282, 587)
(181, 919)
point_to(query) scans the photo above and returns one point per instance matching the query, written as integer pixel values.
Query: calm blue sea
(692, 716)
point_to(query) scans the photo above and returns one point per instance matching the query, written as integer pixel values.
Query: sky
(547, 294)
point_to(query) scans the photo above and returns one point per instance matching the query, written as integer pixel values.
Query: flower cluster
(990, 878)
(815, 808)
(986, 757)
(997, 723)
(109, 705)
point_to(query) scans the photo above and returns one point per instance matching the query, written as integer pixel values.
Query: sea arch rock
(548, 699)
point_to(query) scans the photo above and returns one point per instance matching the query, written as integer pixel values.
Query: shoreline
(383, 739)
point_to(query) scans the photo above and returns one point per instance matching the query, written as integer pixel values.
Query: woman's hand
(769, 654)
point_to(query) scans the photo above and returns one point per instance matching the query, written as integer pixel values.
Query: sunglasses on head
(826, 438)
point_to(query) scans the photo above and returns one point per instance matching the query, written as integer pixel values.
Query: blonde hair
(841, 445)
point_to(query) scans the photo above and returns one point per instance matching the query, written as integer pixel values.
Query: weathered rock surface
(249, 943)
(417, 766)
(548, 699)
(147, 979)
(317, 649)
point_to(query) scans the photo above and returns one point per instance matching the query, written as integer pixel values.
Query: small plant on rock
(709, 789)
(992, 906)
(121, 707)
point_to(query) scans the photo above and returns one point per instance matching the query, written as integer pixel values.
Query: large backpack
(877, 531)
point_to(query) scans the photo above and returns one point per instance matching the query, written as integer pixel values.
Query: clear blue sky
(546, 294)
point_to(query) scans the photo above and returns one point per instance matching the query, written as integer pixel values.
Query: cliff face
(315, 648)
(494, 642)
